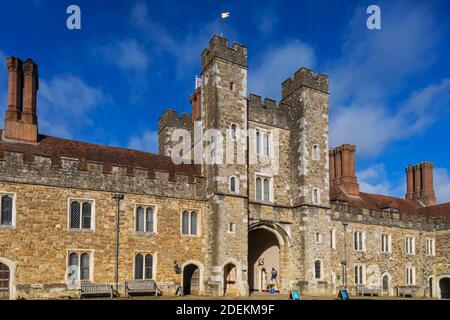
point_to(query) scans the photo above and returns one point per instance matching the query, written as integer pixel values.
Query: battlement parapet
(304, 77)
(268, 112)
(391, 218)
(40, 169)
(218, 47)
(171, 118)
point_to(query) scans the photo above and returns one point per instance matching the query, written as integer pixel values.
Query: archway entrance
(229, 281)
(4, 281)
(264, 254)
(444, 285)
(191, 280)
(385, 281)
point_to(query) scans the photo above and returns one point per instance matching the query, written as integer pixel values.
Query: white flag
(225, 15)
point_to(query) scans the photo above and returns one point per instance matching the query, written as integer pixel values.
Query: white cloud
(373, 127)
(265, 19)
(184, 47)
(276, 65)
(442, 185)
(64, 103)
(374, 180)
(374, 68)
(148, 141)
(127, 54)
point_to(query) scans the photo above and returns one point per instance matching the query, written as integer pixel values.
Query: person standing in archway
(273, 278)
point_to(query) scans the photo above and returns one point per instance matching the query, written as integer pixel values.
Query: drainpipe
(117, 198)
(421, 267)
(344, 262)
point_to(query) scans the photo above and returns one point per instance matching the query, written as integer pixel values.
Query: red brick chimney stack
(342, 168)
(419, 183)
(21, 118)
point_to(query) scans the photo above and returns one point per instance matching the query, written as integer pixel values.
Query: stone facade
(295, 205)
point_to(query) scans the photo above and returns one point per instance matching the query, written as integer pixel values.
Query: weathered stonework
(304, 228)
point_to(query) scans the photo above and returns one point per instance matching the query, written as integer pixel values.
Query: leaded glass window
(6, 212)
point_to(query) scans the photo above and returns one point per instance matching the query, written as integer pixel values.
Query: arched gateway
(267, 251)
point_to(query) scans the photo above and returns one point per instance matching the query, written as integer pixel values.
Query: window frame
(314, 196)
(155, 218)
(260, 134)
(388, 244)
(154, 264)
(363, 241)
(320, 270)
(69, 216)
(430, 247)
(13, 213)
(357, 268)
(79, 252)
(333, 238)
(198, 223)
(413, 245)
(264, 177)
(236, 185)
(234, 133)
(410, 275)
(315, 150)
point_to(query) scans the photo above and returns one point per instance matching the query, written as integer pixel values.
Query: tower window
(317, 269)
(263, 186)
(232, 228)
(234, 185)
(231, 86)
(233, 131)
(315, 152)
(316, 196)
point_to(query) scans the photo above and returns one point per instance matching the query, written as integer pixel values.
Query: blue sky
(109, 82)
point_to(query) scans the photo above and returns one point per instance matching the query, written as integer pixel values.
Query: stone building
(271, 197)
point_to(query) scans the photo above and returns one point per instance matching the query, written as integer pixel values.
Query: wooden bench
(403, 291)
(141, 286)
(363, 290)
(94, 289)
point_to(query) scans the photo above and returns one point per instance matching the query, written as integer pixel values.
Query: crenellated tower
(224, 123)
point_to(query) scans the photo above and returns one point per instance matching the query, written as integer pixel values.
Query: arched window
(315, 152)
(233, 182)
(138, 267)
(258, 189)
(258, 143)
(84, 266)
(233, 131)
(185, 222)
(316, 197)
(73, 267)
(75, 215)
(266, 189)
(149, 218)
(193, 222)
(148, 267)
(317, 269)
(6, 212)
(86, 215)
(140, 219)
